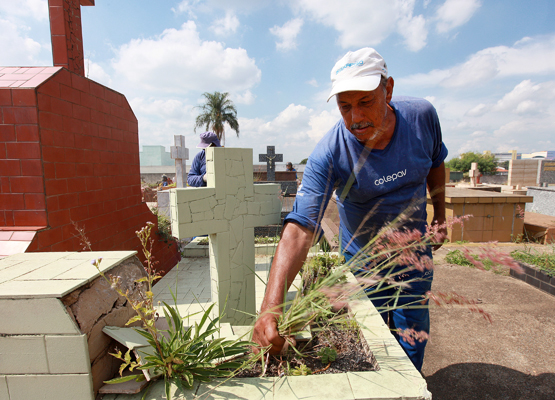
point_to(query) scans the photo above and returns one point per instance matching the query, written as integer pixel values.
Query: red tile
(88, 100)
(31, 167)
(27, 184)
(52, 121)
(74, 155)
(62, 107)
(20, 115)
(57, 22)
(93, 183)
(53, 154)
(71, 125)
(98, 117)
(97, 90)
(34, 201)
(7, 218)
(22, 236)
(81, 113)
(52, 203)
(79, 213)
(24, 97)
(50, 88)
(5, 97)
(23, 150)
(69, 94)
(5, 235)
(68, 201)
(58, 218)
(49, 170)
(7, 133)
(10, 167)
(12, 201)
(80, 83)
(114, 97)
(27, 133)
(55, 187)
(65, 170)
(29, 218)
(44, 102)
(76, 185)
(63, 77)
(83, 170)
(49, 237)
(59, 52)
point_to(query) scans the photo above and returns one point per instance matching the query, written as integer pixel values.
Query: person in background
(197, 173)
(165, 181)
(289, 167)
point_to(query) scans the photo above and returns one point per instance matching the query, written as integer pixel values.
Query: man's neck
(383, 138)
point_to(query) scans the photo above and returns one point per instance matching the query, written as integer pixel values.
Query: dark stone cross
(66, 33)
(271, 157)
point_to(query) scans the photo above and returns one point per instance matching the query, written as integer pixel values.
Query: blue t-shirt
(197, 170)
(373, 187)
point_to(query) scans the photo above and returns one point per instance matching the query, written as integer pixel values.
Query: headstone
(547, 172)
(228, 209)
(270, 158)
(474, 174)
(180, 154)
(66, 34)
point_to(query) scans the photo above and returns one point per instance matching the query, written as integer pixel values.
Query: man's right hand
(265, 333)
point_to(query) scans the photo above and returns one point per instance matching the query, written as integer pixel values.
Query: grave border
(536, 278)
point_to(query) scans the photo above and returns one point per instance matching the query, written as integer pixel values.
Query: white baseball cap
(358, 70)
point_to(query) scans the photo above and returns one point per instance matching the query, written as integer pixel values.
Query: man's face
(365, 113)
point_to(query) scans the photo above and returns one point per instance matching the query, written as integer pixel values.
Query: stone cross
(180, 154)
(474, 174)
(66, 33)
(271, 158)
(228, 209)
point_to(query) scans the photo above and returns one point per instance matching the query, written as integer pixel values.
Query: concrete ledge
(536, 278)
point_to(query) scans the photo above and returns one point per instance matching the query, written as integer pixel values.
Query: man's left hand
(442, 233)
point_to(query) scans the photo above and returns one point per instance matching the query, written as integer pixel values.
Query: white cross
(228, 209)
(180, 154)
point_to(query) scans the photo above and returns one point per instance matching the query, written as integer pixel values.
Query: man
(289, 167)
(380, 156)
(197, 173)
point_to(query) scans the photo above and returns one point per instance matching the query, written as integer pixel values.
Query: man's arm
(290, 255)
(436, 187)
(194, 178)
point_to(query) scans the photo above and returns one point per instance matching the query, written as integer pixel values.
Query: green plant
(182, 355)
(327, 355)
(457, 257)
(544, 261)
(301, 370)
(164, 226)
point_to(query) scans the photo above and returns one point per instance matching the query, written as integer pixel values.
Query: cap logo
(349, 65)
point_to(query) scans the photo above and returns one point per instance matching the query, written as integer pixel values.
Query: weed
(543, 261)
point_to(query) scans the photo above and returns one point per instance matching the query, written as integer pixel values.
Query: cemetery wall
(69, 152)
(544, 200)
(523, 172)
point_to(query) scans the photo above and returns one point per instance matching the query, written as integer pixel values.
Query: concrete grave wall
(547, 172)
(523, 173)
(544, 200)
(54, 307)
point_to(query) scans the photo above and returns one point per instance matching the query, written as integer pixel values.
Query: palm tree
(217, 111)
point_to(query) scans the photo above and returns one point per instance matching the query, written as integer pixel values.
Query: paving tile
(35, 316)
(50, 270)
(59, 387)
(23, 355)
(15, 271)
(68, 354)
(91, 255)
(387, 386)
(156, 392)
(247, 388)
(327, 386)
(4, 395)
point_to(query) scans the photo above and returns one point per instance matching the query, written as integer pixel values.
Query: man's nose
(357, 115)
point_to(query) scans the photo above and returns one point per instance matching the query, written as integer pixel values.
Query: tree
(304, 161)
(216, 112)
(486, 162)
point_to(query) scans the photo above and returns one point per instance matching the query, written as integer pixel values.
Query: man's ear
(389, 89)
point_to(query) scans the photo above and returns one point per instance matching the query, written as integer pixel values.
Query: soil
(352, 355)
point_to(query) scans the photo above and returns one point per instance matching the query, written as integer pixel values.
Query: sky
(488, 66)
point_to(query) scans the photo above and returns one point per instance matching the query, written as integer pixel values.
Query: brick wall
(70, 150)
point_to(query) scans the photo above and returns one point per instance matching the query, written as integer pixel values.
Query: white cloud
(381, 19)
(287, 34)
(227, 25)
(95, 72)
(178, 61)
(454, 13)
(534, 56)
(35, 9)
(313, 82)
(244, 98)
(17, 47)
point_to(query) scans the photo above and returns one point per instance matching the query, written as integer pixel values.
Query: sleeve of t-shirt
(194, 178)
(314, 194)
(439, 151)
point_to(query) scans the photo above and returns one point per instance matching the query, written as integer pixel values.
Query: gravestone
(180, 154)
(271, 158)
(474, 174)
(228, 209)
(547, 172)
